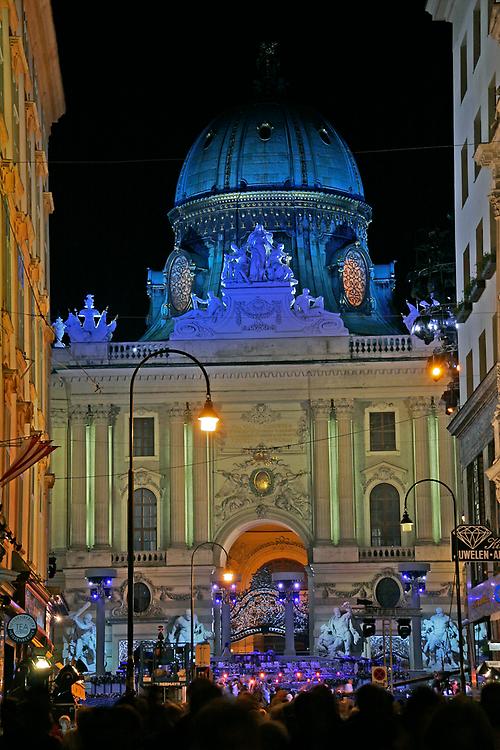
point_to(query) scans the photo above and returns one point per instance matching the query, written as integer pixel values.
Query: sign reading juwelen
(474, 543)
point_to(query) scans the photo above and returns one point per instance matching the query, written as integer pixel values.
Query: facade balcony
(376, 554)
(142, 558)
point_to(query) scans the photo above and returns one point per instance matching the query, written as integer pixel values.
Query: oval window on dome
(209, 138)
(265, 131)
(180, 283)
(354, 278)
(323, 134)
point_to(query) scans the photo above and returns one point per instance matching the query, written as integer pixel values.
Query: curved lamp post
(407, 525)
(228, 577)
(208, 423)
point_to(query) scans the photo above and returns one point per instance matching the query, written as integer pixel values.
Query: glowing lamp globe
(406, 522)
(208, 417)
(227, 576)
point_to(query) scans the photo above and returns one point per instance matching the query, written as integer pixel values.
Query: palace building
(328, 415)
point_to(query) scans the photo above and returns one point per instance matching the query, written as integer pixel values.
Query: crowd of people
(214, 719)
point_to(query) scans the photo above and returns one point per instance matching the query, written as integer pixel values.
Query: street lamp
(407, 525)
(208, 423)
(227, 577)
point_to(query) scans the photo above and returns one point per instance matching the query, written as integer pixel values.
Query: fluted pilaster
(177, 477)
(103, 417)
(321, 412)
(420, 409)
(79, 420)
(200, 484)
(344, 408)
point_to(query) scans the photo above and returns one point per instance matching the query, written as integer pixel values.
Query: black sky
(140, 84)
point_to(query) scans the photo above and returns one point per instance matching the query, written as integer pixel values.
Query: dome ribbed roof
(269, 145)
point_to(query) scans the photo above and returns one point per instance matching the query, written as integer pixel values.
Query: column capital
(344, 407)
(177, 412)
(321, 408)
(104, 413)
(81, 414)
(420, 406)
(59, 417)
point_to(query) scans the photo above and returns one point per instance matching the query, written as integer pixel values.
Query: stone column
(177, 491)
(100, 627)
(225, 608)
(217, 630)
(447, 475)
(343, 411)
(200, 484)
(289, 626)
(79, 421)
(420, 408)
(101, 503)
(321, 411)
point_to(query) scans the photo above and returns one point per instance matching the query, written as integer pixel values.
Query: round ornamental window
(261, 482)
(180, 284)
(354, 278)
(142, 597)
(265, 131)
(387, 593)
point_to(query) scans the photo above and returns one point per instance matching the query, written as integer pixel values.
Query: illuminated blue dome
(269, 146)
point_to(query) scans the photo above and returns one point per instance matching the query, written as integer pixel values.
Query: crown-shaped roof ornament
(88, 326)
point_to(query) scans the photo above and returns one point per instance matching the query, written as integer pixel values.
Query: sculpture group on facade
(89, 326)
(259, 259)
(339, 634)
(79, 638)
(258, 298)
(180, 630)
(440, 647)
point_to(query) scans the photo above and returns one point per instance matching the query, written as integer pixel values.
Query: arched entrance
(260, 556)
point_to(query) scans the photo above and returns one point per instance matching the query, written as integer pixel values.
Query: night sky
(141, 84)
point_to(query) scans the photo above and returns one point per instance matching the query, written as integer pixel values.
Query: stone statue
(260, 244)
(277, 264)
(59, 330)
(439, 641)
(338, 634)
(307, 304)
(236, 266)
(180, 632)
(80, 638)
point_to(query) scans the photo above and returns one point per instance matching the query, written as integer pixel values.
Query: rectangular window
(469, 374)
(482, 356)
(476, 35)
(494, 333)
(479, 246)
(466, 269)
(492, 106)
(144, 436)
(463, 68)
(382, 431)
(477, 140)
(464, 158)
(493, 232)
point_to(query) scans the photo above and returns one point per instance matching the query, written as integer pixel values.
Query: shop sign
(22, 628)
(484, 599)
(475, 543)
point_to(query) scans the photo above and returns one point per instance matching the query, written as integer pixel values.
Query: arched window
(144, 520)
(385, 516)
